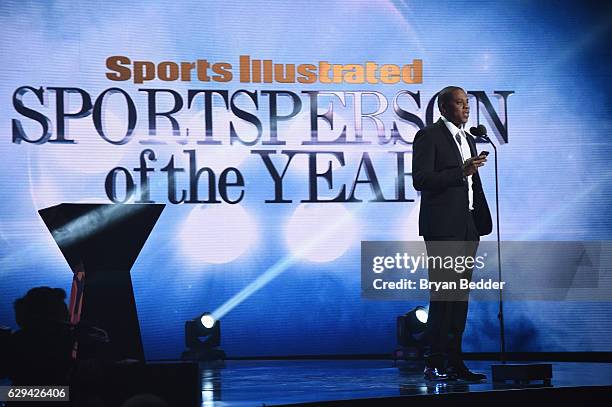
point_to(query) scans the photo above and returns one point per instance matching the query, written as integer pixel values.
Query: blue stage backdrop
(95, 93)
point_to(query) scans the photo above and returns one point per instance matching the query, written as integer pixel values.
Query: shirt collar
(451, 127)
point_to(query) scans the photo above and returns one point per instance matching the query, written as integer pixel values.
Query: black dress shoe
(463, 373)
(435, 374)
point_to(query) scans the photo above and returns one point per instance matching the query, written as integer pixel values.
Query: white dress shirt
(464, 149)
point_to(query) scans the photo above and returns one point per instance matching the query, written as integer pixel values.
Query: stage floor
(274, 382)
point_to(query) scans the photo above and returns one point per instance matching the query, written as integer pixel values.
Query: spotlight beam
(281, 266)
(73, 231)
(92, 222)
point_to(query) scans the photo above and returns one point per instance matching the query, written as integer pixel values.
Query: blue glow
(260, 260)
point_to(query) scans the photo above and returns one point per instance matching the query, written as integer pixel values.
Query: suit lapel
(472, 145)
(450, 139)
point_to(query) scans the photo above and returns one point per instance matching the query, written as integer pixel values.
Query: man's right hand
(470, 166)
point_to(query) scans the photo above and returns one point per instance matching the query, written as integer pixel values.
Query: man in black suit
(454, 214)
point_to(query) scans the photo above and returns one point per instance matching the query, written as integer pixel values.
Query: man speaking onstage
(454, 214)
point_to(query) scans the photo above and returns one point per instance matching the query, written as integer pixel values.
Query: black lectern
(101, 243)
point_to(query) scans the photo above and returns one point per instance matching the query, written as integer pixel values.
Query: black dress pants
(448, 308)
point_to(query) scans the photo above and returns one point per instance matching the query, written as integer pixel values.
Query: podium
(101, 243)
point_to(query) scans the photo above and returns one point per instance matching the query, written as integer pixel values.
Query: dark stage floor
(274, 382)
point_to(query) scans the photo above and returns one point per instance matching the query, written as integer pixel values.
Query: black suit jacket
(437, 172)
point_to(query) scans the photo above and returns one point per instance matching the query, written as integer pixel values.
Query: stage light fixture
(202, 338)
(207, 320)
(411, 326)
(410, 334)
(421, 314)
